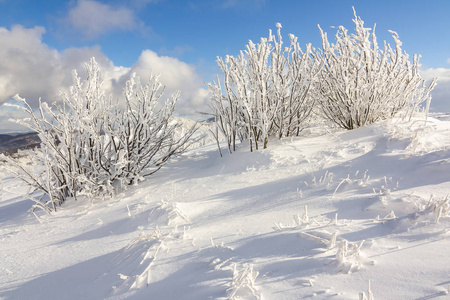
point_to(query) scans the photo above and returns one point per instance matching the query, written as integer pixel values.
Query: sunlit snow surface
(319, 215)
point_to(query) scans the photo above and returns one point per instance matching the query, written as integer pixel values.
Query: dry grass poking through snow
(318, 216)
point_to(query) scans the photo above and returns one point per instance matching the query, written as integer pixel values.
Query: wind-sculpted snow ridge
(332, 214)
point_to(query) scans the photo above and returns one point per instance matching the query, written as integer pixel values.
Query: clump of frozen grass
(332, 243)
(315, 229)
(146, 247)
(219, 246)
(323, 182)
(303, 219)
(426, 211)
(348, 256)
(326, 239)
(243, 283)
(140, 254)
(368, 296)
(384, 191)
(300, 221)
(439, 207)
(306, 221)
(416, 211)
(168, 213)
(419, 134)
(390, 216)
(359, 180)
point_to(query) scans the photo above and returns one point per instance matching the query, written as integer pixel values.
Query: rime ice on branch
(266, 91)
(93, 145)
(362, 83)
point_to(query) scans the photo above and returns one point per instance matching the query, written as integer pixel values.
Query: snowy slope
(319, 215)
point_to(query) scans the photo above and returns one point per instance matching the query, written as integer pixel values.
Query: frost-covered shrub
(93, 145)
(266, 91)
(362, 82)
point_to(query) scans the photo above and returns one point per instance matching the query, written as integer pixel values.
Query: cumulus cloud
(175, 75)
(32, 69)
(25, 62)
(93, 18)
(177, 51)
(441, 93)
(6, 115)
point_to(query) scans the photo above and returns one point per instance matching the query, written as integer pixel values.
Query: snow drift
(317, 215)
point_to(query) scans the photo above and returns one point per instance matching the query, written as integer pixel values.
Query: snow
(318, 216)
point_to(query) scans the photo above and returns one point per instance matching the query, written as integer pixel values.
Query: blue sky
(41, 41)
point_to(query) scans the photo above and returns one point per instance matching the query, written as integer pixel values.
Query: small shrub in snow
(243, 280)
(438, 207)
(93, 145)
(266, 91)
(349, 255)
(362, 82)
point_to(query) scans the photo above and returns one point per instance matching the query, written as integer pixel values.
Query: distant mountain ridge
(11, 143)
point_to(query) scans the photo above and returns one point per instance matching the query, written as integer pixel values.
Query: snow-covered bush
(266, 91)
(362, 82)
(93, 145)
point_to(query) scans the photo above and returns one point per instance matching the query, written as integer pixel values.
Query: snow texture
(332, 214)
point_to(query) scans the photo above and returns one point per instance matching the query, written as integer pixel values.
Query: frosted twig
(129, 212)
(362, 296)
(346, 180)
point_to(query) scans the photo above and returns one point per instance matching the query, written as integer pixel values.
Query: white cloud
(25, 62)
(175, 75)
(6, 114)
(442, 73)
(177, 51)
(32, 69)
(93, 18)
(441, 93)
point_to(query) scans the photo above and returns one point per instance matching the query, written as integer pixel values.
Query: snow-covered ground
(319, 216)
